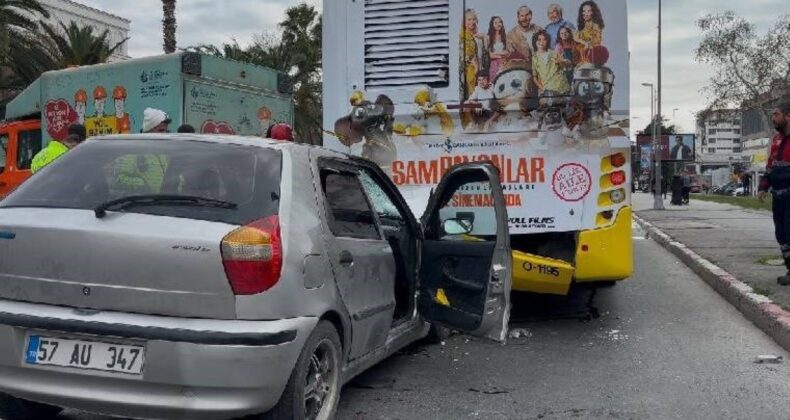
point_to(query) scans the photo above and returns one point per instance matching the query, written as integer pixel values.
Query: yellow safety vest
(47, 155)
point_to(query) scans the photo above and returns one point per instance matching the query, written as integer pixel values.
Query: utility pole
(658, 201)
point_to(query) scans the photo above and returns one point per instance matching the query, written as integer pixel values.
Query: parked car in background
(726, 189)
(696, 187)
(200, 276)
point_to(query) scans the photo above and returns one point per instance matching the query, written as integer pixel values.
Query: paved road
(663, 345)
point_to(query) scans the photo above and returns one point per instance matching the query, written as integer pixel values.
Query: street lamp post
(658, 201)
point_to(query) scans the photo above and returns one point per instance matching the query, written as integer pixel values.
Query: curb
(759, 309)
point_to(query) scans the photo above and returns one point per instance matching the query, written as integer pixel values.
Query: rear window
(104, 170)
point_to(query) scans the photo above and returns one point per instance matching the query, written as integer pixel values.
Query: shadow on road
(530, 307)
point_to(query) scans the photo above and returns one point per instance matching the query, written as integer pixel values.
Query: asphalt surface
(661, 345)
(736, 239)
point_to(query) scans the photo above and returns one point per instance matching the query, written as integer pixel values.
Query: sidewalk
(737, 240)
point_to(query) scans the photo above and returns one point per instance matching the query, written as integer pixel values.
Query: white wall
(66, 11)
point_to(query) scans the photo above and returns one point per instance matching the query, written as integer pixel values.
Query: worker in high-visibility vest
(143, 174)
(57, 148)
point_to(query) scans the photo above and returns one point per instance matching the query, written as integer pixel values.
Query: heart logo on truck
(216, 127)
(59, 115)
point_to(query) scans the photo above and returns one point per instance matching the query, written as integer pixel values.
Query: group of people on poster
(552, 51)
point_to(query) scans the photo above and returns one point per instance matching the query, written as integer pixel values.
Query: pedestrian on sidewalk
(677, 190)
(747, 184)
(777, 180)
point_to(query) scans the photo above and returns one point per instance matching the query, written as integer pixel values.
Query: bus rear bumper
(606, 254)
(602, 255)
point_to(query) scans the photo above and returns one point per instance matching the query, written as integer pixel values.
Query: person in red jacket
(777, 180)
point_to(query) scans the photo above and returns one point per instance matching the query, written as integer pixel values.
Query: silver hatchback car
(192, 277)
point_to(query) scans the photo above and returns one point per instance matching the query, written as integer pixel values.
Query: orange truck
(19, 142)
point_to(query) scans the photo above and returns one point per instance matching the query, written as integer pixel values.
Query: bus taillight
(617, 178)
(617, 160)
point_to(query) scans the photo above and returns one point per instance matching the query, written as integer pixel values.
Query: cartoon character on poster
(81, 105)
(99, 99)
(429, 107)
(372, 124)
(264, 119)
(123, 125)
(100, 124)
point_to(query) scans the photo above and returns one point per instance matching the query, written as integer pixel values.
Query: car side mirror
(457, 226)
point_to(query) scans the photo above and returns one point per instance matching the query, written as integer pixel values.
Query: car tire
(12, 408)
(321, 359)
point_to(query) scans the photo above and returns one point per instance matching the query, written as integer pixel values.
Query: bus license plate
(84, 354)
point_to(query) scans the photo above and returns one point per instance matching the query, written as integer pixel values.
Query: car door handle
(346, 259)
(461, 283)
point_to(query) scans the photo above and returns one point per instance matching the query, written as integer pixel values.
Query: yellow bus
(539, 90)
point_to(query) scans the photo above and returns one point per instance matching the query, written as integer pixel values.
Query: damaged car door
(465, 268)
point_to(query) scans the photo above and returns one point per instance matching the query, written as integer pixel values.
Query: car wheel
(12, 408)
(313, 390)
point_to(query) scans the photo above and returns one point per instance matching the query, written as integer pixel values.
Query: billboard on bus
(541, 90)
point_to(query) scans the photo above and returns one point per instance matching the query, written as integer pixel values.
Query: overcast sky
(214, 22)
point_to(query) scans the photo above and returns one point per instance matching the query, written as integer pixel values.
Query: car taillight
(617, 160)
(617, 178)
(252, 256)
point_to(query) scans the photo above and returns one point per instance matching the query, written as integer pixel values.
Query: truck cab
(19, 142)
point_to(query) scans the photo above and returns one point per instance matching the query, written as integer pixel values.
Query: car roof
(253, 141)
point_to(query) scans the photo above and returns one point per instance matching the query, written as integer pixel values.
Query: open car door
(465, 268)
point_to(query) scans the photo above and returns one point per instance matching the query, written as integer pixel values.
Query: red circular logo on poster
(571, 182)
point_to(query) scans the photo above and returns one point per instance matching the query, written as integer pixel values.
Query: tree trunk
(169, 25)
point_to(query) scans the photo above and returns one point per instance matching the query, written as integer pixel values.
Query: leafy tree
(169, 25)
(73, 45)
(20, 53)
(17, 17)
(662, 128)
(747, 65)
(295, 52)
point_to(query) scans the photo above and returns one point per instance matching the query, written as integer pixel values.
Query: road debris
(517, 333)
(491, 390)
(768, 358)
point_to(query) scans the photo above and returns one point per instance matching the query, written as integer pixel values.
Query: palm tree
(73, 45)
(297, 53)
(169, 25)
(17, 16)
(20, 60)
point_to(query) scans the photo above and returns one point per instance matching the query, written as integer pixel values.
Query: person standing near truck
(57, 148)
(777, 180)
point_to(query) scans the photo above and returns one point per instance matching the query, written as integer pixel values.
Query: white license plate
(84, 354)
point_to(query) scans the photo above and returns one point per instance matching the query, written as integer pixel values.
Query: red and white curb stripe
(758, 309)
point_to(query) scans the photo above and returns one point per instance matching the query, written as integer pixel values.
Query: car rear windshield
(103, 170)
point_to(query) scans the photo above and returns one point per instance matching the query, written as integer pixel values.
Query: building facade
(758, 130)
(720, 140)
(66, 11)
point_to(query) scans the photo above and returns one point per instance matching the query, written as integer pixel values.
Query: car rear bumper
(194, 368)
